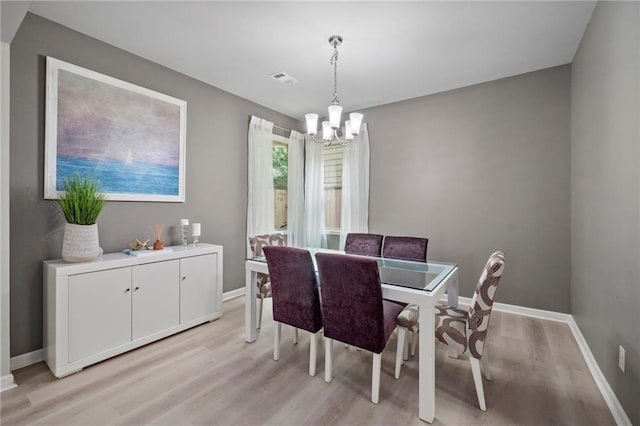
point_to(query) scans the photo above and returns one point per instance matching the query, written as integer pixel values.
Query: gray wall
(216, 175)
(479, 169)
(605, 219)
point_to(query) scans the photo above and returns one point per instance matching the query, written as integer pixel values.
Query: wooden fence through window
(332, 207)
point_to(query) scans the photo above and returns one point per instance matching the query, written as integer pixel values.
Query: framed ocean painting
(129, 139)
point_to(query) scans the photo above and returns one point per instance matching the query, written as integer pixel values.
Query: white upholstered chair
(466, 330)
(263, 281)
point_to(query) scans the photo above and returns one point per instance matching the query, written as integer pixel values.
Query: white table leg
(427, 365)
(452, 290)
(250, 295)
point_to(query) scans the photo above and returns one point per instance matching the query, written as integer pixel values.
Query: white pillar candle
(184, 222)
(195, 230)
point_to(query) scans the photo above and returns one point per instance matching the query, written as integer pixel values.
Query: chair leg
(477, 379)
(402, 337)
(276, 341)
(295, 336)
(414, 342)
(260, 303)
(328, 361)
(375, 378)
(405, 350)
(485, 365)
(313, 353)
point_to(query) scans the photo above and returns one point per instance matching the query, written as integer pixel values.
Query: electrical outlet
(621, 358)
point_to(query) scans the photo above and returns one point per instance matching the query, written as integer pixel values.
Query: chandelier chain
(334, 62)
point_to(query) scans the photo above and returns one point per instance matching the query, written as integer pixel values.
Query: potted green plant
(81, 203)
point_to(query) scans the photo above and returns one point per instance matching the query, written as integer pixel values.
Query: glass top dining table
(424, 276)
(419, 283)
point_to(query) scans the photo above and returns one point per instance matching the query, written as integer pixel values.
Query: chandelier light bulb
(326, 130)
(348, 131)
(356, 121)
(312, 123)
(335, 111)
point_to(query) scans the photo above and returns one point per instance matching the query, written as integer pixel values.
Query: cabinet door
(198, 287)
(99, 312)
(156, 297)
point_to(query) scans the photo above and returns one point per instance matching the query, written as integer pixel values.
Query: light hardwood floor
(209, 375)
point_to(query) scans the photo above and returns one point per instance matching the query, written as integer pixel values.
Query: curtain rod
(282, 128)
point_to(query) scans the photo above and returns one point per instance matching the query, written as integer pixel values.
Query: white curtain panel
(295, 191)
(314, 195)
(260, 205)
(355, 187)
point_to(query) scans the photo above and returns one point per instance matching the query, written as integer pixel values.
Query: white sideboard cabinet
(118, 302)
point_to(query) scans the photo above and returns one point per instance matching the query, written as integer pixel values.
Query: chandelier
(330, 128)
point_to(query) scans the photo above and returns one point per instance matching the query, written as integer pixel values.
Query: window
(332, 186)
(280, 181)
(332, 156)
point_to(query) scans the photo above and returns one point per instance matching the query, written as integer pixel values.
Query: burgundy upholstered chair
(294, 290)
(405, 248)
(263, 281)
(365, 244)
(354, 311)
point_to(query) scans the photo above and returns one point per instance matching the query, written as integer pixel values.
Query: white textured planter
(80, 243)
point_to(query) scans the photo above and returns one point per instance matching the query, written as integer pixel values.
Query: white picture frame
(129, 139)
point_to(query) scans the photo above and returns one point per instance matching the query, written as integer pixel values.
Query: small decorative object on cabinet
(139, 245)
(196, 232)
(96, 310)
(81, 203)
(157, 233)
(183, 231)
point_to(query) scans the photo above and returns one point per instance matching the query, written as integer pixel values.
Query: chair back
(294, 287)
(259, 241)
(482, 304)
(365, 244)
(352, 300)
(405, 248)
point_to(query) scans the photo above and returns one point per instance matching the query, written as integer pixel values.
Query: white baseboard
(526, 312)
(609, 396)
(232, 294)
(619, 415)
(6, 382)
(27, 359)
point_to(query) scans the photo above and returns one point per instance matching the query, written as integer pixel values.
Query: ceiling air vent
(284, 78)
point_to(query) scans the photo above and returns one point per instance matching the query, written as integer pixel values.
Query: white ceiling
(392, 50)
